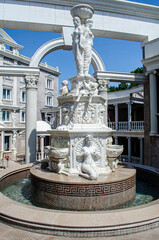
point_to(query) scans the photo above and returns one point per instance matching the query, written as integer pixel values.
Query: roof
(124, 96)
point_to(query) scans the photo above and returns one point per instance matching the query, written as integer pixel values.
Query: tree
(123, 85)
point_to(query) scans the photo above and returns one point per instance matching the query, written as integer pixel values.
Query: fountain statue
(81, 152)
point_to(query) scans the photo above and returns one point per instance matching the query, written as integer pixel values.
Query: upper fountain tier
(83, 11)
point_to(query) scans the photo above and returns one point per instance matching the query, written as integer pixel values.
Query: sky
(117, 55)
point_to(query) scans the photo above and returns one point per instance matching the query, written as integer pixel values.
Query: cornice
(12, 44)
(26, 60)
(114, 6)
(151, 63)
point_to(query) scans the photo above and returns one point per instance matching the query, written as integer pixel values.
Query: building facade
(126, 116)
(13, 98)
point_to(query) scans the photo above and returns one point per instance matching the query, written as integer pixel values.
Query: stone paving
(10, 233)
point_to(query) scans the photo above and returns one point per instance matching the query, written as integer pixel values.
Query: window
(6, 94)
(23, 97)
(49, 101)
(22, 116)
(49, 83)
(5, 116)
(6, 143)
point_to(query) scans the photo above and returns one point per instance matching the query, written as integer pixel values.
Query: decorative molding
(31, 81)
(87, 190)
(120, 77)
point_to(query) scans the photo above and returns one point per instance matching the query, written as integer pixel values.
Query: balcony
(136, 126)
(125, 158)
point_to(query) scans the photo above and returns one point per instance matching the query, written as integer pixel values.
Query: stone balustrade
(134, 126)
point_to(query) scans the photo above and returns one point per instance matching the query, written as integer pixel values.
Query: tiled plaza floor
(10, 233)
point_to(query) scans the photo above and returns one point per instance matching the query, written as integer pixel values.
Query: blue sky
(117, 55)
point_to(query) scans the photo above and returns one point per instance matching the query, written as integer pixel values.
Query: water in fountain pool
(20, 192)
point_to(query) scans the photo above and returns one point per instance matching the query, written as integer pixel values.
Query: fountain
(82, 172)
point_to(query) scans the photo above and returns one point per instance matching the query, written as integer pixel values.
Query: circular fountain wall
(75, 193)
(78, 223)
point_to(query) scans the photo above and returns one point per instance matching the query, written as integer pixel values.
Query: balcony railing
(124, 126)
(111, 125)
(125, 158)
(137, 125)
(38, 156)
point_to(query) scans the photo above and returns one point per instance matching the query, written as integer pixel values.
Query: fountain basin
(113, 151)
(53, 152)
(82, 11)
(74, 223)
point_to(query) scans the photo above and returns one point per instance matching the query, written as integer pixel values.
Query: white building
(126, 116)
(13, 98)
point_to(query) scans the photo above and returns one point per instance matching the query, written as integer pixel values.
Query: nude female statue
(88, 154)
(88, 43)
(77, 45)
(82, 42)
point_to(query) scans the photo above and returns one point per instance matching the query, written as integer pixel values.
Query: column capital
(103, 84)
(31, 81)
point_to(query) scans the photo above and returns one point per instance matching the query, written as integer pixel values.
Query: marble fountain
(80, 181)
(81, 172)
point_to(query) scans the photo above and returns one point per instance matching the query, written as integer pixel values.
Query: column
(1, 82)
(116, 140)
(42, 146)
(2, 144)
(31, 117)
(15, 91)
(129, 116)
(153, 103)
(129, 149)
(116, 116)
(141, 150)
(14, 149)
(14, 118)
(102, 91)
(103, 87)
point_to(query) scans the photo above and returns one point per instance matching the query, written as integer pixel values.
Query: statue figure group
(82, 42)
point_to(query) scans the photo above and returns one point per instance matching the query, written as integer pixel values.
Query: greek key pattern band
(87, 190)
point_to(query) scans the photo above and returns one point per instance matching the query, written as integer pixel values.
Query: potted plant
(7, 159)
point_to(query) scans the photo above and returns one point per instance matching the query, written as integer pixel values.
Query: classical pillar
(103, 87)
(1, 116)
(2, 144)
(15, 91)
(31, 117)
(102, 91)
(1, 82)
(141, 150)
(129, 116)
(14, 149)
(129, 149)
(153, 103)
(14, 118)
(42, 146)
(116, 140)
(116, 116)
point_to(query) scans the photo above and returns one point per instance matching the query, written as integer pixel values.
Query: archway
(59, 43)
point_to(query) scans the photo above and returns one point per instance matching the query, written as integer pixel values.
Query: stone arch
(59, 43)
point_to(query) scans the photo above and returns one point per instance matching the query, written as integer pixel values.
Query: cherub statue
(88, 88)
(64, 90)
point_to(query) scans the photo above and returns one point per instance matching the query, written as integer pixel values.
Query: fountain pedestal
(58, 191)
